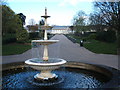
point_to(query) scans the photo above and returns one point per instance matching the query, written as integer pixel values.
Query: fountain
(18, 75)
(46, 65)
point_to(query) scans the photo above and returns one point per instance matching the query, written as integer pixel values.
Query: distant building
(60, 30)
(53, 30)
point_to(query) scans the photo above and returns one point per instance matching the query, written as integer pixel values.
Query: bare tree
(109, 13)
(96, 23)
(32, 22)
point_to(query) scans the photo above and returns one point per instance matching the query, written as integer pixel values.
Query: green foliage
(95, 45)
(22, 36)
(8, 38)
(33, 35)
(79, 22)
(101, 47)
(106, 36)
(92, 36)
(10, 21)
(41, 34)
(14, 48)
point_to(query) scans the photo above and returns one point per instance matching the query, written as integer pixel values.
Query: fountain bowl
(45, 67)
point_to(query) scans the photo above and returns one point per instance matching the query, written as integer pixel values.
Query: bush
(8, 38)
(33, 35)
(22, 36)
(92, 36)
(107, 36)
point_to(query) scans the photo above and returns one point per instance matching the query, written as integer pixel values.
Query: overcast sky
(61, 11)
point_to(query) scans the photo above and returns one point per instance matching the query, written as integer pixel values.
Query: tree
(22, 18)
(22, 36)
(96, 22)
(42, 22)
(32, 28)
(109, 13)
(12, 24)
(106, 15)
(10, 21)
(79, 22)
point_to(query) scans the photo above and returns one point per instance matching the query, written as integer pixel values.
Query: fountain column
(45, 34)
(45, 54)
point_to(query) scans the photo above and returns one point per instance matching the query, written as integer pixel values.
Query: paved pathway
(69, 51)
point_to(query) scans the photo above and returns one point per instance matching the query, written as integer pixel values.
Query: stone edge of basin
(110, 72)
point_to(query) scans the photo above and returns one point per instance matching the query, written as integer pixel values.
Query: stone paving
(69, 51)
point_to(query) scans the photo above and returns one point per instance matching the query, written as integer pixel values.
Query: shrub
(8, 38)
(22, 36)
(33, 35)
(107, 36)
(92, 36)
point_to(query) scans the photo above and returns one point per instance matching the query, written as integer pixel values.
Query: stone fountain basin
(51, 64)
(45, 42)
(17, 68)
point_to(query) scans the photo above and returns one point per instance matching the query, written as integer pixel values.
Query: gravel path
(69, 51)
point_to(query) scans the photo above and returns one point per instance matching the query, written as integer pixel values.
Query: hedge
(106, 36)
(8, 38)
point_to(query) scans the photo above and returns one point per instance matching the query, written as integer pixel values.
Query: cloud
(70, 2)
(75, 2)
(32, 0)
(62, 2)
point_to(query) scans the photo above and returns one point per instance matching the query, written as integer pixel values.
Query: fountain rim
(105, 70)
(46, 64)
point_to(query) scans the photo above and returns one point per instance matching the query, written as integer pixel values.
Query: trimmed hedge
(8, 38)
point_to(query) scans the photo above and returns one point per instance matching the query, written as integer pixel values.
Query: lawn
(14, 48)
(98, 46)
(101, 47)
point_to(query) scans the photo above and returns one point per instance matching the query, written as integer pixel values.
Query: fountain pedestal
(45, 55)
(45, 75)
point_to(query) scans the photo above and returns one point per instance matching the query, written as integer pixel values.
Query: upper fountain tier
(45, 16)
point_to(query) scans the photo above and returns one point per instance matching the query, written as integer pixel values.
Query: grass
(101, 47)
(98, 46)
(14, 48)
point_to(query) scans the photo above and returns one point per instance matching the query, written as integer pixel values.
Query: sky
(61, 11)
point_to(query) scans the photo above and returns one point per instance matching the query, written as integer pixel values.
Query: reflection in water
(73, 78)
